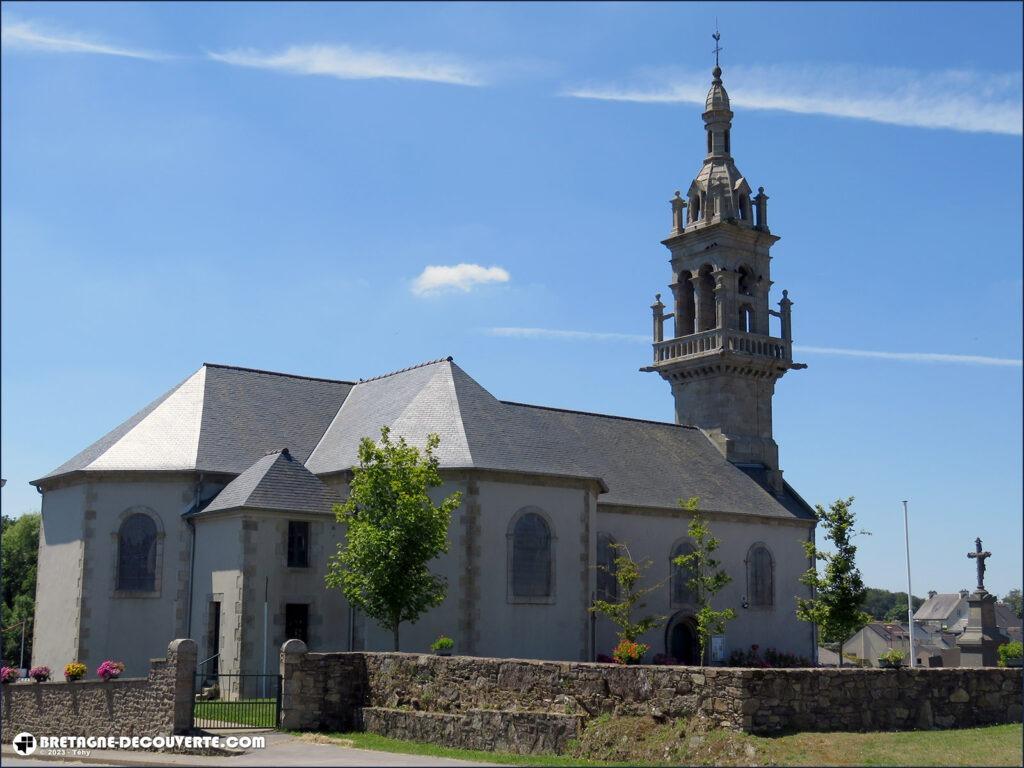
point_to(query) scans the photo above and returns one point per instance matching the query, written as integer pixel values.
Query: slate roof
(224, 419)
(277, 482)
(641, 463)
(938, 607)
(220, 419)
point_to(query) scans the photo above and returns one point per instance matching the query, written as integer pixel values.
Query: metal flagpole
(910, 594)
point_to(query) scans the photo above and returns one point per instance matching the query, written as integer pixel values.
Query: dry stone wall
(157, 705)
(528, 706)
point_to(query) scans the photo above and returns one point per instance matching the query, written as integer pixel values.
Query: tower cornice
(697, 233)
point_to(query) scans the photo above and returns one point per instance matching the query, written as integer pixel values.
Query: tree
(1013, 599)
(888, 606)
(19, 549)
(706, 578)
(393, 531)
(627, 573)
(838, 592)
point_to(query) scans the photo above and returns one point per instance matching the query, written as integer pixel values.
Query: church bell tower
(720, 355)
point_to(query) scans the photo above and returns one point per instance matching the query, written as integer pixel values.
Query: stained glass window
(682, 592)
(760, 589)
(136, 554)
(531, 557)
(607, 586)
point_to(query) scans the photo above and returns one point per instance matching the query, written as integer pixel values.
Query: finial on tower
(717, 36)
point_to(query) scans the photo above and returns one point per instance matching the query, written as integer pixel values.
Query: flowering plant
(39, 674)
(8, 675)
(74, 671)
(629, 652)
(108, 670)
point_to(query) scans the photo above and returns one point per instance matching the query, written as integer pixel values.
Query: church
(208, 514)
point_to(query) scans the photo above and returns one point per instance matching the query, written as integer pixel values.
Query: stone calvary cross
(980, 556)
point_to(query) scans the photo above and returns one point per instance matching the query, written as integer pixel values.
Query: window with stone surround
(681, 593)
(531, 561)
(760, 577)
(607, 586)
(137, 554)
(298, 544)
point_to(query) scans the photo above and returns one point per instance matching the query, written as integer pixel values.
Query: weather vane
(718, 36)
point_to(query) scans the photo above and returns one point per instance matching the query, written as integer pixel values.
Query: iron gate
(229, 700)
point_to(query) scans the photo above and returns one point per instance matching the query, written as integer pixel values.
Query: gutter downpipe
(192, 552)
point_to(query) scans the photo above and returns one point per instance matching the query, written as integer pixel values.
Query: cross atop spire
(718, 49)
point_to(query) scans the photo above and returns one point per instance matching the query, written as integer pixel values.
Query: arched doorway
(681, 640)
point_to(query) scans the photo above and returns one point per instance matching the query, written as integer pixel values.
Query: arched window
(531, 575)
(746, 324)
(607, 586)
(746, 280)
(136, 554)
(681, 592)
(760, 577)
(743, 206)
(727, 148)
(682, 289)
(706, 315)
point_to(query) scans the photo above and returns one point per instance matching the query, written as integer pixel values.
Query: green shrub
(894, 656)
(1008, 651)
(443, 643)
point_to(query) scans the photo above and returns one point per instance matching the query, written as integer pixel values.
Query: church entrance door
(681, 642)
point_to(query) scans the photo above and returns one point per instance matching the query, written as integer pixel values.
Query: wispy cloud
(912, 357)
(347, 63)
(27, 36)
(909, 357)
(552, 333)
(959, 100)
(460, 277)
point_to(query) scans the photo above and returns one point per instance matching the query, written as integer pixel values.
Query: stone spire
(719, 192)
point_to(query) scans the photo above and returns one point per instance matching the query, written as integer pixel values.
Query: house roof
(223, 419)
(1005, 617)
(938, 607)
(888, 631)
(219, 419)
(276, 481)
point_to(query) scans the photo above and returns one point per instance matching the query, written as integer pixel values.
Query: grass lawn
(372, 741)
(644, 743)
(258, 713)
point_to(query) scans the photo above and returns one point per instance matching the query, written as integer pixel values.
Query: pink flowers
(8, 675)
(108, 670)
(39, 674)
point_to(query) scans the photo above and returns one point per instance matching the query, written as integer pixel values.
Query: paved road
(281, 749)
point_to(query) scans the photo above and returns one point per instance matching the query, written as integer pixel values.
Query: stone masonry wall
(434, 697)
(157, 705)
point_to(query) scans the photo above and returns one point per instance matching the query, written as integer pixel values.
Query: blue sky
(267, 185)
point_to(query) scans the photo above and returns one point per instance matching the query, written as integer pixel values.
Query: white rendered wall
(655, 535)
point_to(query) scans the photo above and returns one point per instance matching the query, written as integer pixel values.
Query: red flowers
(629, 652)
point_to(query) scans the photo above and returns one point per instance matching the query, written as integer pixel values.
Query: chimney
(931, 593)
(964, 593)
